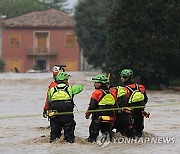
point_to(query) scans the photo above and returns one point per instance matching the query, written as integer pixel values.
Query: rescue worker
(101, 98)
(60, 100)
(136, 96)
(124, 121)
(56, 69)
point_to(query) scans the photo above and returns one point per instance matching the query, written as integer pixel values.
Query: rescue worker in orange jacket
(56, 69)
(124, 121)
(101, 98)
(136, 96)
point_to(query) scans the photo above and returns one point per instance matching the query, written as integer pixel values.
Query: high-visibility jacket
(99, 99)
(132, 87)
(61, 96)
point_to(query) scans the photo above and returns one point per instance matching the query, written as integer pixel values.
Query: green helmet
(62, 76)
(127, 73)
(100, 78)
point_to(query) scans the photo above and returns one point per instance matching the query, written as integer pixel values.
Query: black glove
(87, 114)
(45, 113)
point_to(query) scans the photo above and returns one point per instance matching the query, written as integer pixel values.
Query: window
(71, 40)
(14, 39)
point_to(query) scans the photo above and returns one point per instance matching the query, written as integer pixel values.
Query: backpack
(61, 100)
(136, 95)
(60, 93)
(107, 99)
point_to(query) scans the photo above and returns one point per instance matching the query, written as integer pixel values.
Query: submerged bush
(2, 64)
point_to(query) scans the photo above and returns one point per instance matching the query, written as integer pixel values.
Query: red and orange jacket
(46, 105)
(96, 97)
(133, 87)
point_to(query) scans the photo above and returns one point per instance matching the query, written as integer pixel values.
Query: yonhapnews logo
(104, 140)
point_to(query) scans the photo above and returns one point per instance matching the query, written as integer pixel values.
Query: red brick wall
(57, 40)
(65, 53)
(17, 52)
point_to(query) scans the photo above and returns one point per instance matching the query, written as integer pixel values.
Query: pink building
(40, 38)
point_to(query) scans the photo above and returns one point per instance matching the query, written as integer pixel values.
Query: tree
(14, 8)
(144, 36)
(57, 4)
(90, 16)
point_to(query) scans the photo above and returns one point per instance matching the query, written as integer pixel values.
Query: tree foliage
(144, 36)
(14, 8)
(57, 4)
(90, 16)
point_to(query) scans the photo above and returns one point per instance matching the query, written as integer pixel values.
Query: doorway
(41, 42)
(41, 64)
(15, 65)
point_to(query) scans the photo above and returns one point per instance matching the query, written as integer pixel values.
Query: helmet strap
(104, 86)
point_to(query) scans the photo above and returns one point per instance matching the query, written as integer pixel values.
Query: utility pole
(2, 17)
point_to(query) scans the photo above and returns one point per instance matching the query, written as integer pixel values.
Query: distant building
(40, 39)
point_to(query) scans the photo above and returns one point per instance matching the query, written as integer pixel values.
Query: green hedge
(2, 64)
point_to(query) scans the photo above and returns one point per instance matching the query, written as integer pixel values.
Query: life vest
(107, 99)
(106, 102)
(121, 91)
(136, 95)
(61, 98)
(60, 94)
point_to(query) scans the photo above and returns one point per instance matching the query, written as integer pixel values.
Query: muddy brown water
(23, 129)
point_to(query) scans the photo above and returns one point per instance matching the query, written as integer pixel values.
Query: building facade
(40, 40)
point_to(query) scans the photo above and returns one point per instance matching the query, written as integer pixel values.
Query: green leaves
(145, 37)
(2, 64)
(90, 16)
(14, 8)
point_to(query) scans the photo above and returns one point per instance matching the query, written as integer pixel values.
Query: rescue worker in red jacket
(124, 121)
(101, 98)
(56, 69)
(136, 96)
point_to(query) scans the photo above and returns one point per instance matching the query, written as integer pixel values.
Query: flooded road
(24, 130)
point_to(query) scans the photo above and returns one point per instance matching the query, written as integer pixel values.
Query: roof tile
(47, 18)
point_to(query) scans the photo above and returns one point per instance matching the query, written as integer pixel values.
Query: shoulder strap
(66, 90)
(104, 92)
(56, 88)
(106, 99)
(137, 87)
(129, 88)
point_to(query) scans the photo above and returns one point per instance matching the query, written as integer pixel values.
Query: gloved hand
(45, 113)
(87, 114)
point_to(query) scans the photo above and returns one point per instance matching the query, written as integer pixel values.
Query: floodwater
(23, 130)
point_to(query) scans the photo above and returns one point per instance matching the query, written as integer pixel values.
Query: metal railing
(41, 51)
